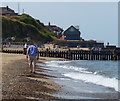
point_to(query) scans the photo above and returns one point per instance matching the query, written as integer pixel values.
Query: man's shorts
(32, 60)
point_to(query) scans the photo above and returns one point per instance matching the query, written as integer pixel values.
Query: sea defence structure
(83, 54)
(77, 54)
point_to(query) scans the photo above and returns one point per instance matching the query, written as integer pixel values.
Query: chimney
(7, 7)
(49, 24)
(77, 27)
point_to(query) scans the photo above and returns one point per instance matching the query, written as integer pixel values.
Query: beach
(18, 83)
(55, 78)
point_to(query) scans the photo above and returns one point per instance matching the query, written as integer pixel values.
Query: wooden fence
(76, 54)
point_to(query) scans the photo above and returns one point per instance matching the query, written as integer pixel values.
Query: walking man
(32, 55)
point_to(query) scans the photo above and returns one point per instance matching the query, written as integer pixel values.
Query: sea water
(85, 79)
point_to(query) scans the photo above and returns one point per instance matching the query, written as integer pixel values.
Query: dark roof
(71, 27)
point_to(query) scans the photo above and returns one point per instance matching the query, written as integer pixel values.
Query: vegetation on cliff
(24, 26)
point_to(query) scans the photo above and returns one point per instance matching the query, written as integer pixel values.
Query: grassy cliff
(23, 26)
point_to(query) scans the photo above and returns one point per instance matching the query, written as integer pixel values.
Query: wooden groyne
(76, 54)
(13, 51)
(83, 55)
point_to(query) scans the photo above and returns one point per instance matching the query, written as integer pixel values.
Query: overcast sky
(97, 20)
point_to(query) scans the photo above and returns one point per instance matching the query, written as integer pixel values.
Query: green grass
(25, 26)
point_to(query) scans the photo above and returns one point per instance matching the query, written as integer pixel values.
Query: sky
(97, 20)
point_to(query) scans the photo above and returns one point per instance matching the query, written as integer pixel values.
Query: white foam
(84, 74)
(96, 79)
(57, 62)
(75, 68)
(40, 64)
(95, 73)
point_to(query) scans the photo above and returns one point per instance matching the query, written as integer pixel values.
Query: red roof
(56, 28)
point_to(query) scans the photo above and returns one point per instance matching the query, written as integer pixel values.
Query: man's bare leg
(34, 68)
(30, 67)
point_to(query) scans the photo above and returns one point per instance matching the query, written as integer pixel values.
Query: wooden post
(114, 55)
(91, 53)
(69, 54)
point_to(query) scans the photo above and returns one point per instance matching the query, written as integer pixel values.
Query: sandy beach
(18, 83)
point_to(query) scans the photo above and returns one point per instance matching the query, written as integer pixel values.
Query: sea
(84, 79)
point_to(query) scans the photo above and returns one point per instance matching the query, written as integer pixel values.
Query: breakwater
(83, 55)
(77, 54)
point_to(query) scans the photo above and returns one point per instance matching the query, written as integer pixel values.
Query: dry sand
(18, 83)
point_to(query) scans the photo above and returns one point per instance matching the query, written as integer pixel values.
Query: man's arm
(27, 53)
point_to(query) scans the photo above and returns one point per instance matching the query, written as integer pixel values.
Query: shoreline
(77, 89)
(18, 83)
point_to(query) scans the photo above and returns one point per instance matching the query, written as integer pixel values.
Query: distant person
(9, 44)
(57, 49)
(47, 49)
(42, 47)
(69, 49)
(32, 55)
(77, 46)
(25, 48)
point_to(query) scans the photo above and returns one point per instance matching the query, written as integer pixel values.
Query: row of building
(71, 37)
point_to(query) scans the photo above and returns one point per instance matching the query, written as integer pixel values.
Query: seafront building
(71, 37)
(55, 29)
(7, 11)
(72, 33)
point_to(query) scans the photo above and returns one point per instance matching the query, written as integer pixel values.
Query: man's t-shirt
(32, 50)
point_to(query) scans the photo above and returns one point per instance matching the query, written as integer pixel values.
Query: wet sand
(18, 83)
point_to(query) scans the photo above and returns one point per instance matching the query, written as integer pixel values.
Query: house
(7, 11)
(55, 29)
(72, 33)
